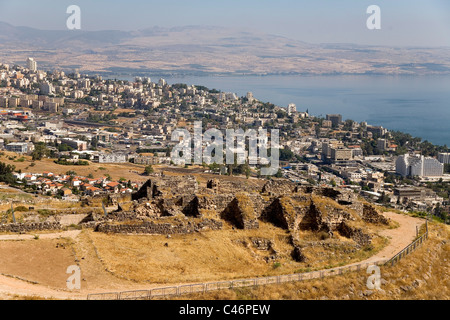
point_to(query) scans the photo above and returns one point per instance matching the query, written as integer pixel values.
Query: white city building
(444, 158)
(292, 108)
(411, 165)
(250, 97)
(84, 84)
(77, 94)
(162, 82)
(31, 64)
(47, 88)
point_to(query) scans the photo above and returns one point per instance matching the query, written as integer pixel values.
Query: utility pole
(104, 209)
(12, 212)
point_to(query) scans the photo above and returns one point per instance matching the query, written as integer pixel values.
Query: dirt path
(9, 287)
(65, 234)
(400, 237)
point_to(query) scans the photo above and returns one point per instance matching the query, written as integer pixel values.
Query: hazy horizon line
(240, 29)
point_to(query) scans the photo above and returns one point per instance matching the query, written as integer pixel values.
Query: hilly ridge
(202, 50)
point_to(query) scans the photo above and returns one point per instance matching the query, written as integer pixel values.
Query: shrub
(64, 162)
(75, 226)
(323, 235)
(276, 265)
(149, 169)
(45, 212)
(21, 209)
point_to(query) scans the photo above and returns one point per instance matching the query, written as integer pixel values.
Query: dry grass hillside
(220, 255)
(424, 274)
(116, 171)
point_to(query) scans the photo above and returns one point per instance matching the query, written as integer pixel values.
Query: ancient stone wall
(312, 219)
(225, 186)
(371, 215)
(147, 209)
(278, 187)
(216, 202)
(117, 198)
(330, 217)
(160, 228)
(298, 255)
(276, 214)
(356, 234)
(241, 213)
(146, 191)
(344, 197)
(28, 227)
(166, 187)
(286, 213)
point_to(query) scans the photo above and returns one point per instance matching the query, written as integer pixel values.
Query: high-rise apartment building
(32, 64)
(292, 108)
(411, 165)
(444, 158)
(47, 88)
(84, 84)
(336, 119)
(382, 144)
(250, 97)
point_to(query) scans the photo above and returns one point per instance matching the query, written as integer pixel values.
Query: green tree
(447, 168)
(279, 174)
(40, 151)
(214, 167)
(94, 142)
(247, 171)
(384, 199)
(6, 173)
(286, 154)
(64, 147)
(149, 169)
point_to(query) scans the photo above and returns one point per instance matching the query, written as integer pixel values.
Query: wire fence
(410, 248)
(167, 292)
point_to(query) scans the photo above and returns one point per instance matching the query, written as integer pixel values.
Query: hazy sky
(403, 22)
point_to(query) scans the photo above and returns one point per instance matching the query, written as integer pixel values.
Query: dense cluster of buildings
(113, 121)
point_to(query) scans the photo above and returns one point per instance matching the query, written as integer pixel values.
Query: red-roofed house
(92, 191)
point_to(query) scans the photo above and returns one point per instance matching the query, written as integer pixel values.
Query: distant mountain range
(205, 50)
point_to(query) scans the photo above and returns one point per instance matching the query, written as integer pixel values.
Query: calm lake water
(416, 105)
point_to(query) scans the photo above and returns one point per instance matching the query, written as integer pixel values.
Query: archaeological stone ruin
(170, 205)
(181, 205)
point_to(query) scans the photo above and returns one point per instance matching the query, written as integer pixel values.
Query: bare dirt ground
(17, 237)
(17, 280)
(400, 237)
